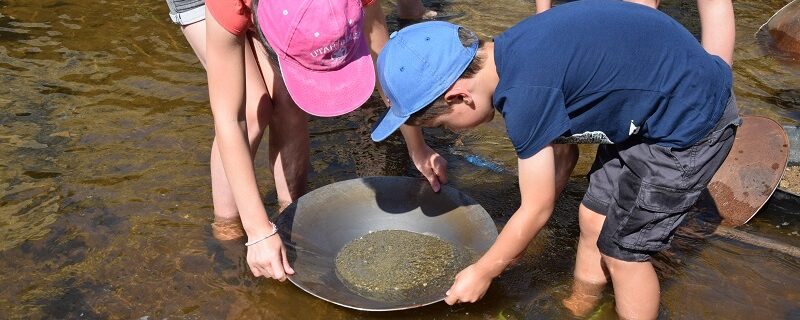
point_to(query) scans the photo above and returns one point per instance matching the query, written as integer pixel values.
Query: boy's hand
(470, 285)
(268, 259)
(432, 165)
(537, 186)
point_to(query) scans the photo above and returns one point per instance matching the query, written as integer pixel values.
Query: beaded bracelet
(274, 231)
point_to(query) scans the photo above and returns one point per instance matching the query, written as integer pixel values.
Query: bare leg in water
(591, 274)
(259, 109)
(566, 157)
(636, 287)
(289, 142)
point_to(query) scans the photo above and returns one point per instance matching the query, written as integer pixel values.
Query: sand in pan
(398, 265)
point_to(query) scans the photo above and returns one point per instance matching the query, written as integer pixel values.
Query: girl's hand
(268, 259)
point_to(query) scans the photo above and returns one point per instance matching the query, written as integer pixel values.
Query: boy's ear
(458, 95)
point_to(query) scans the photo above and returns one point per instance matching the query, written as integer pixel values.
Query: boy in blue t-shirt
(595, 68)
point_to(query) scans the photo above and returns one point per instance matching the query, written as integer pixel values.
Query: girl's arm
(226, 87)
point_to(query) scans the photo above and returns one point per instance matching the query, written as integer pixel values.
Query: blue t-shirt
(604, 67)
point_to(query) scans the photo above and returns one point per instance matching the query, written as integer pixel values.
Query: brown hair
(439, 106)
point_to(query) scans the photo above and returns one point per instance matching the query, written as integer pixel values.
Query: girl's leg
(376, 30)
(195, 33)
(227, 224)
(377, 36)
(591, 274)
(288, 135)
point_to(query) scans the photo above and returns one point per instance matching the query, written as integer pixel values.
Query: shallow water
(104, 190)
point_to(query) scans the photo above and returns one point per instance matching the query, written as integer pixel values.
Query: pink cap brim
(331, 93)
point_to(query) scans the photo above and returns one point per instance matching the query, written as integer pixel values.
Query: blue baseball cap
(417, 66)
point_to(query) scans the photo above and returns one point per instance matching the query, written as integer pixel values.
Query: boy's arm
(432, 165)
(718, 27)
(537, 189)
(226, 88)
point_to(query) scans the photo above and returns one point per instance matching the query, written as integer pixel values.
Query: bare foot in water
(577, 306)
(584, 297)
(414, 10)
(225, 229)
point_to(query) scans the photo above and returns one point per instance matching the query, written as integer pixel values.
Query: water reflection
(104, 191)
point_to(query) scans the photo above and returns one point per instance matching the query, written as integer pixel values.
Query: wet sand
(791, 180)
(397, 265)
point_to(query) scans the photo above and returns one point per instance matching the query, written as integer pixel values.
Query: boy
(620, 70)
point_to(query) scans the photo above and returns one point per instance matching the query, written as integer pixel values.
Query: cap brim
(331, 93)
(387, 125)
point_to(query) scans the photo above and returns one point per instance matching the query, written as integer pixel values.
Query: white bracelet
(274, 231)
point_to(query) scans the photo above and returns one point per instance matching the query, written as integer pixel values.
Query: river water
(105, 204)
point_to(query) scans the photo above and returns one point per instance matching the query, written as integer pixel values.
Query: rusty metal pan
(783, 11)
(320, 223)
(752, 170)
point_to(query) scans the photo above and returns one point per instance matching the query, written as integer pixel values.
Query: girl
(289, 180)
(230, 52)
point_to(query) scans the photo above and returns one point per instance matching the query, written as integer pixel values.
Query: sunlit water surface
(105, 203)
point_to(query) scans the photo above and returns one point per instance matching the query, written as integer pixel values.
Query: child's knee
(258, 112)
(591, 223)
(589, 234)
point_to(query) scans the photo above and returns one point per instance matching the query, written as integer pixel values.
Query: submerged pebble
(398, 265)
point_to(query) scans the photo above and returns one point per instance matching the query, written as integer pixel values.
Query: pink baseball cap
(323, 55)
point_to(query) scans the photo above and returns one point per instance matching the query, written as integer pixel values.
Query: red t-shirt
(235, 15)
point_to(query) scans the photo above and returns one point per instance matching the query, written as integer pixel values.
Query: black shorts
(645, 190)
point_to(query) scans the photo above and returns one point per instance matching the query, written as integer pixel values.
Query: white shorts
(186, 12)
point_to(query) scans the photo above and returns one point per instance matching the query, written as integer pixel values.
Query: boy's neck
(487, 79)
